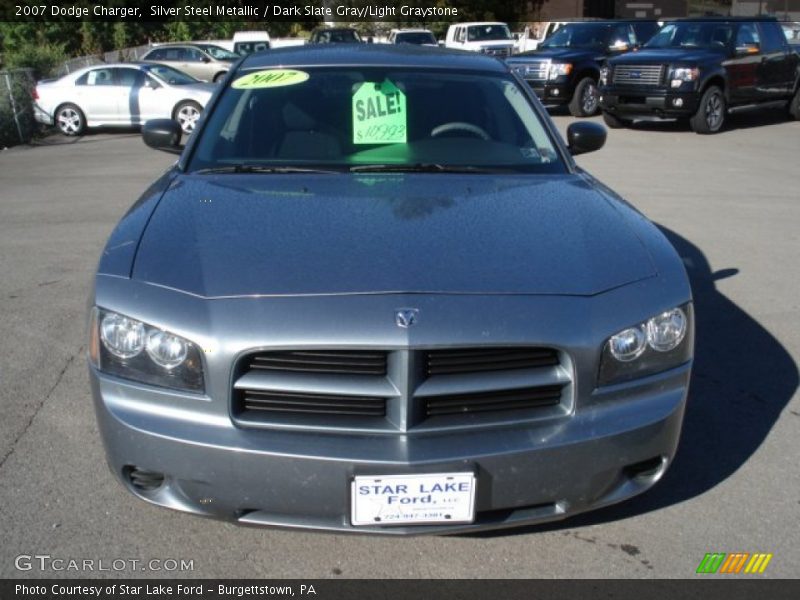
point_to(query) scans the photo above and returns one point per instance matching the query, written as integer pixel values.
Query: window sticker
(379, 114)
(270, 79)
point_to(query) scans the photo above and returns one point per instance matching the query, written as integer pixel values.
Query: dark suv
(334, 35)
(700, 70)
(565, 68)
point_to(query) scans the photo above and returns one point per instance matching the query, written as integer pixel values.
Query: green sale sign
(379, 114)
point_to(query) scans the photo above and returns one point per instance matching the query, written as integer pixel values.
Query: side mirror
(747, 49)
(585, 137)
(205, 59)
(151, 83)
(162, 134)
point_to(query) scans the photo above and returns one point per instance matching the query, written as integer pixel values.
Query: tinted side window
(129, 77)
(747, 35)
(772, 37)
(96, 77)
(157, 54)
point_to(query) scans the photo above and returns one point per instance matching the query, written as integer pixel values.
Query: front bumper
(526, 473)
(653, 103)
(551, 94)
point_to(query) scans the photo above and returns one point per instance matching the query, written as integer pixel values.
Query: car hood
(668, 55)
(243, 235)
(564, 54)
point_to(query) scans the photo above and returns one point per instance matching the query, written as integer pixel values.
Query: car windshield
(693, 35)
(218, 53)
(583, 35)
(338, 36)
(415, 37)
(170, 75)
(487, 33)
(350, 118)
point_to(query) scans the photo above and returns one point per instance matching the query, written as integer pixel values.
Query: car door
(142, 96)
(98, 96)
(197, 64)
(744, 67)
(778, 66)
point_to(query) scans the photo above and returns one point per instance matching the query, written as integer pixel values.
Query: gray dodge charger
(375, 293)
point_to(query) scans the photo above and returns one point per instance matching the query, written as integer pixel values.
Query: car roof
(722, 19)
(372, 55)
(471, 23)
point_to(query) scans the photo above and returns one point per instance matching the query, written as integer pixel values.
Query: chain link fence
(17, 124)
(124, 55)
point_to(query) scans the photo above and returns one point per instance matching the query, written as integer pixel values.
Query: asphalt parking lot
(730, 203)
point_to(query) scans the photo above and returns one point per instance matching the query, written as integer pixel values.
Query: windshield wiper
(423, 168)
(244, 168)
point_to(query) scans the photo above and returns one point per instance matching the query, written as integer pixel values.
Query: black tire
(613, 122)
(586, 99)
(220, 76)
(70, 120)
(794, 105)
(710, 115)
(186, 114)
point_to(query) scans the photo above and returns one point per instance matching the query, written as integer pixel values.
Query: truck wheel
(710, 114)
(794, 106)
(613, 122)
(586, 99)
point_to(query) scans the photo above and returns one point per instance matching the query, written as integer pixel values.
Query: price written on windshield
(379, 114)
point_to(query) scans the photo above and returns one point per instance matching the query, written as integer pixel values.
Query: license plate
(413, 499)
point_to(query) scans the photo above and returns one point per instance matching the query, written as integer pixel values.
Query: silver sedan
(125, 94)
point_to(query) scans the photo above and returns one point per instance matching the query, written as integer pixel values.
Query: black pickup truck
(702, 70)
(565, 68)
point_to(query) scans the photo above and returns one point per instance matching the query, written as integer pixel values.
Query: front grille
(386, 391)
(282, 402)
(638, 75)
(535, 70)
(496, 51)
(475, 360)
(494, 401)
(353, 362)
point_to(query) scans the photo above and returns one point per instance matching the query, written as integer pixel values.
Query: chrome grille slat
(638, 75)
(534, 70)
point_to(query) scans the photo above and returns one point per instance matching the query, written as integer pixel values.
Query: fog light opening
(144, 480)
(647, 470)
(678, 102)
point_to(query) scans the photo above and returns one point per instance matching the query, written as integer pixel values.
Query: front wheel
(70, 120)
(710, 114)
(613, 122)
(794, 105)
(186, 114)
(586, 99)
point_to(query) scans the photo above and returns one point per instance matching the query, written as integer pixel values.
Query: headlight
(662, 342)
(681, 74)
(130, 349)
(604, 76)
(559, 69)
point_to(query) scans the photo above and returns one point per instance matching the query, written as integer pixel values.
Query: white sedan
(125, 94)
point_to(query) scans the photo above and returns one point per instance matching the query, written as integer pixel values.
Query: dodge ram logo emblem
(406, 317)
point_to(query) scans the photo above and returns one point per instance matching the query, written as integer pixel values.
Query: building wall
(650, 9)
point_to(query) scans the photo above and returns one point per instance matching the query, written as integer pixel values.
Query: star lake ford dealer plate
(413, 499)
